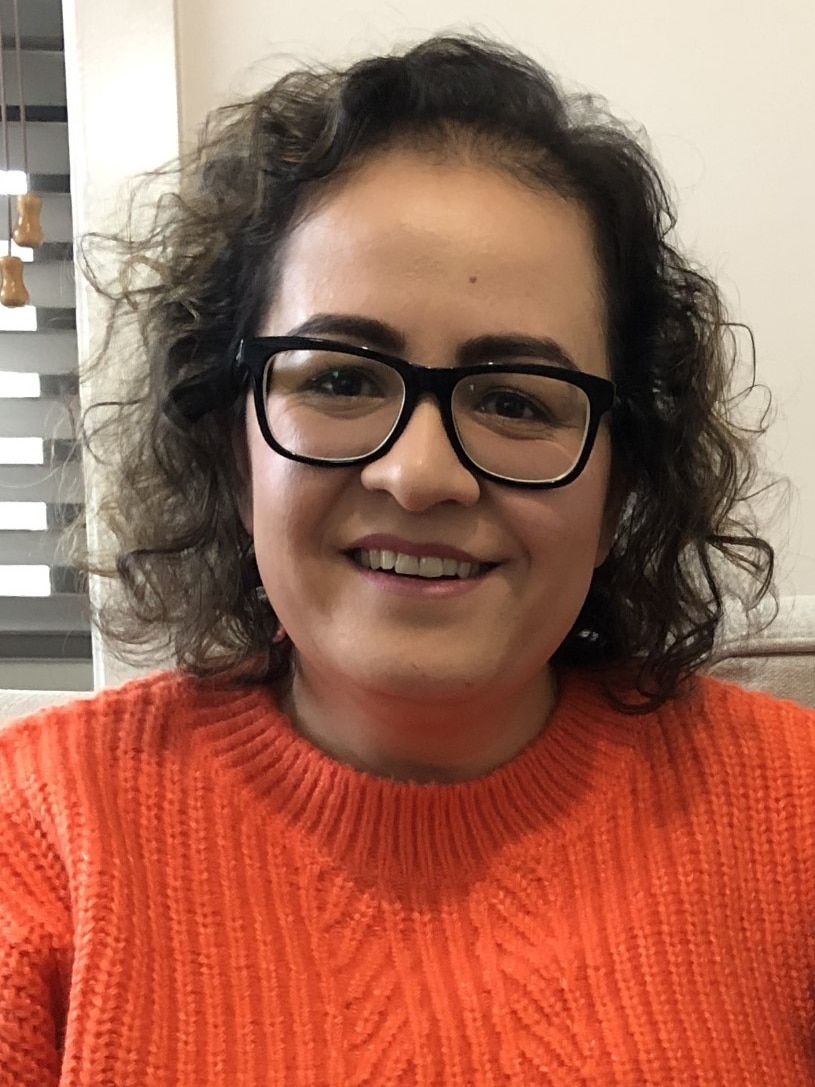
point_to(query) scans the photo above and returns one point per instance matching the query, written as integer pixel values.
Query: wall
(726, 92)
(120, 68)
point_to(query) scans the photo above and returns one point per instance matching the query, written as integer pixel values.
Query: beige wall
(120, 68)
(725, 89)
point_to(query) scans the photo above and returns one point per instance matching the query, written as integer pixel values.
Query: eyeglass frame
(254, 354)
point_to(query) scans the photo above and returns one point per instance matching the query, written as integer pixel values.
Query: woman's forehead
(418, 242)
(400, 192)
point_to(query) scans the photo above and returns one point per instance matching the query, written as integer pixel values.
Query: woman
(432, 487)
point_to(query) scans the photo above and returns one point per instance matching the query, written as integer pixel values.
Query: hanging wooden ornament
(28, 231)
(13, 292)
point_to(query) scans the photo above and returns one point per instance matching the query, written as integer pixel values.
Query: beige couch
(15, 704)
(780, 660)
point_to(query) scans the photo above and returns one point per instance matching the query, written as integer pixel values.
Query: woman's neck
(408, 738)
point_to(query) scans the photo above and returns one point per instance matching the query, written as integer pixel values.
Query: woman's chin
(438, 680)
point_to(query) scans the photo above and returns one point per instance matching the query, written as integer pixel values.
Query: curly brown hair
(200, 277)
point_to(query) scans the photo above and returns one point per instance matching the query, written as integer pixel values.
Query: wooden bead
(29, 231)
(12, 289)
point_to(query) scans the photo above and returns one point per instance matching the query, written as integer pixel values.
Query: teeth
(429, 566)
(407, 564)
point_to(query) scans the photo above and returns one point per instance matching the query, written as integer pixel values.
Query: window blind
(43, 607)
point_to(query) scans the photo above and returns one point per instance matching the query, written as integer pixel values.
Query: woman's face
(432, 255)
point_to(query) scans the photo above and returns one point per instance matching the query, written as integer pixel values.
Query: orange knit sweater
(191, 894)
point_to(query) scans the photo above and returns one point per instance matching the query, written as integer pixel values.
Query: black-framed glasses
(334, 404)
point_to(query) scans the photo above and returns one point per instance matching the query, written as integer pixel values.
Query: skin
(431, 689)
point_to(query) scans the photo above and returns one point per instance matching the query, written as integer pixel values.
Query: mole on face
(473, 279)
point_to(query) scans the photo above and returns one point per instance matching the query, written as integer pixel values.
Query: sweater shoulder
(146, 694)
(755, 717)
(115, 730)
(734, 738)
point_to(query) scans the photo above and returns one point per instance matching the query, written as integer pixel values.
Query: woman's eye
(348, 383)
(511, 405)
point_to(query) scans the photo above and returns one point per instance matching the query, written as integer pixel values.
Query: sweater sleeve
(35, 925)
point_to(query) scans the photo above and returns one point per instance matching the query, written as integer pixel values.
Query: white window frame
(123, 120)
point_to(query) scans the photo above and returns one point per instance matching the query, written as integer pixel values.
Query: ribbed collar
(401, 830)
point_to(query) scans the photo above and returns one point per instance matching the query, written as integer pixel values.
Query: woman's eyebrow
(370, 332)
(384, 337)
(509, 347)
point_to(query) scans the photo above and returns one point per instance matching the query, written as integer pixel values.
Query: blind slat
(49, 252)
(41, 483)
(29, 548)
(50, 183)
(55, 217)
(38, 353)
(60, 613)
(52, 252)
(51, 286)
(35, 418)
(43, 77)
(51, 319)
(47, 148)
(43, 651)
(37, 21)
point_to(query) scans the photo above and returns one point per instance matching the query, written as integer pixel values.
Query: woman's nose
(422, 469)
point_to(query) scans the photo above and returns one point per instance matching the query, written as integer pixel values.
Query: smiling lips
(425, 566)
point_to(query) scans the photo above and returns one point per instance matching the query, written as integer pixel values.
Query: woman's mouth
(426, 566)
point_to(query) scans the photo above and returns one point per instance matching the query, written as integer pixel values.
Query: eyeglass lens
(335, 407)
